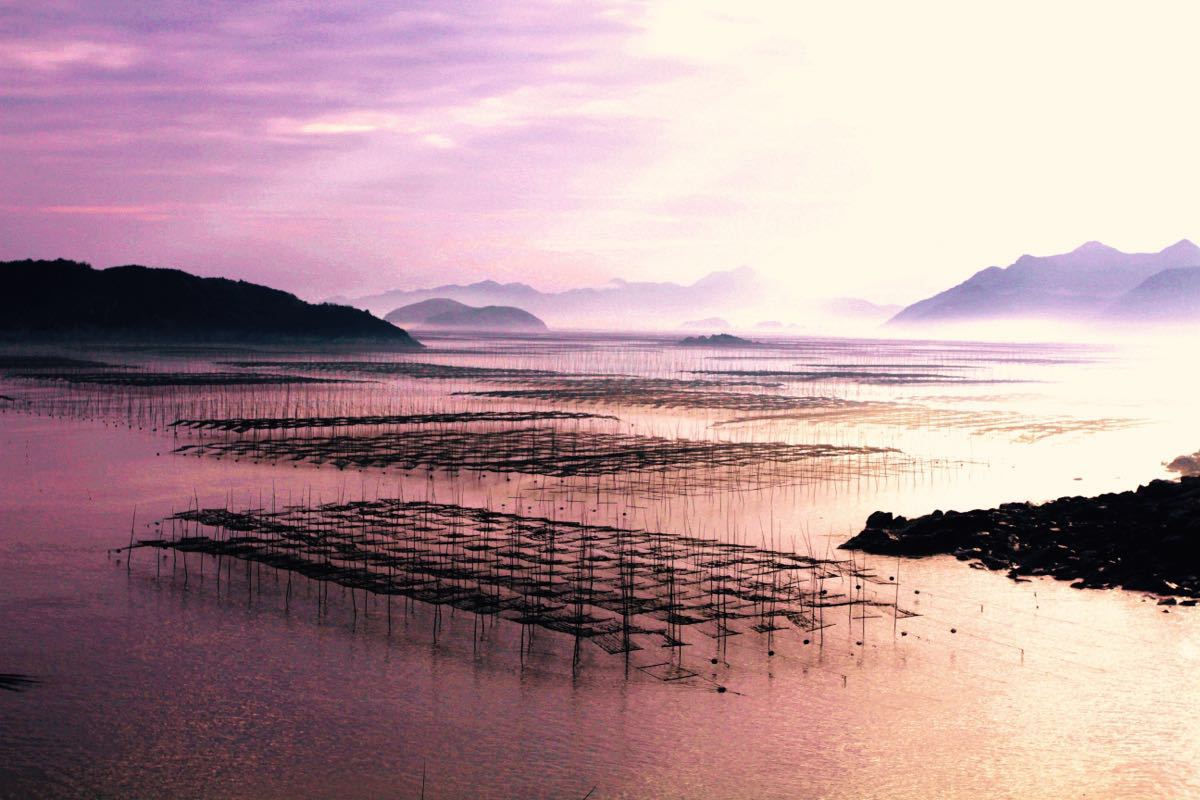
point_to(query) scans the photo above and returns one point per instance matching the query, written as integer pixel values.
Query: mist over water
(156, 678)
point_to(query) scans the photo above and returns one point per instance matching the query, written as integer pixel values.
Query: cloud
(46, 56)
(546, 141)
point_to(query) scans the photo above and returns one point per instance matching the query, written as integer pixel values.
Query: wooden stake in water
(129, 552)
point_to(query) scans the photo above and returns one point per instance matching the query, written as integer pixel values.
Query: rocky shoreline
(1144, 540)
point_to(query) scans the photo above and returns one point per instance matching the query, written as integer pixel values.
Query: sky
(878, 150)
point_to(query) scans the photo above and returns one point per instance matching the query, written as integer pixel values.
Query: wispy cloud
(144, 212)
(52, 55)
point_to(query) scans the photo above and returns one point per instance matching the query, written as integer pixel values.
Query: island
(717, 340)
(441, 312)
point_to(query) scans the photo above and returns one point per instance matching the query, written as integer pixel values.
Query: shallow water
(157, 685)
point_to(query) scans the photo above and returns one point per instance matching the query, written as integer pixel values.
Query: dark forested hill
(55, 298)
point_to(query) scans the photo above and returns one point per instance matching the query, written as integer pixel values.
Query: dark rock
(880, 519)
(1143, 540)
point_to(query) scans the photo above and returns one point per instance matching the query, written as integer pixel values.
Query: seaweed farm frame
(621, 589)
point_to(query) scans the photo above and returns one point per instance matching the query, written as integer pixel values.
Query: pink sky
(878, 150)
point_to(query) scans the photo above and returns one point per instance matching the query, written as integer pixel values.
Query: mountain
(1166, 296)
(441, 312)
(419, 312)
(480, 293)
(618, 303)
(57, 298)
(1081, 284)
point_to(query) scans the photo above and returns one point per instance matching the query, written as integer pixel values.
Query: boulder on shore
(1144, 540)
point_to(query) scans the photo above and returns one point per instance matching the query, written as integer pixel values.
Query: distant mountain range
(709, 303)
(441, 312)
(1092, 282)
(69, 298)
(626, 302)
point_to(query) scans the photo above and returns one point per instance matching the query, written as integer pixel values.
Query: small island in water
(716, 340)
(441, 312)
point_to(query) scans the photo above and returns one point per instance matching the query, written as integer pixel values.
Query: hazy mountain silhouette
(441, 312)
(57, 298)
(1169, 295)
(627, 301)
(419, 312)
(1078, 285)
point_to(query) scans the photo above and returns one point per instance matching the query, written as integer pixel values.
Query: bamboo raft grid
(406, 369)
(157, 407)
(882, 377)
(151, 379)
(565, 453)
(558, 386)
(714, 394)
(246, 424)
(199, 406)
(424, 370)
(660, 394)
(981, 422)
(621, 589)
